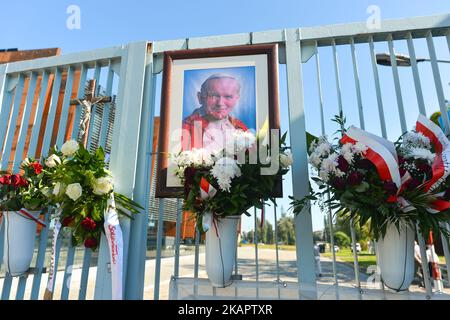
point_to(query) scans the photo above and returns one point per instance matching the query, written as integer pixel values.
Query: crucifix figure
(87, 103)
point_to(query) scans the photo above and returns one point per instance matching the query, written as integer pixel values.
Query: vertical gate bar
(85, 274)
(158, 249)
(276, 247)
(319, 82)
(196, 260)
(3, 88)
(377, 87)
(357, 84)
(398, 90)
(51, 113)
(336, 75)
(319, 86)
(445, 245)
(24, 122)
(297, 126)
(80, 94)
(40, 257)
(423, 255)
(65, 107)
(106, 107)
(68, 270)
(176, 270)
(5, 100)
(438, 82)
(7, 282)
(38, 115)
(415, 72)
(352, 228)
(2, 241)
(355, 254)
(21, 287)
(330, 225)
(9, 137)
(135, 277)
(255, 241)
(97, 72)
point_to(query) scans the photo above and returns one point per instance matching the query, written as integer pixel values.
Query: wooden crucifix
(87, 103)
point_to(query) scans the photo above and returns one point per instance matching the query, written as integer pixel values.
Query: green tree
(286, 229)
(342, 239)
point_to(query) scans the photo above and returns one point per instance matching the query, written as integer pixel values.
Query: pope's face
(221, 96)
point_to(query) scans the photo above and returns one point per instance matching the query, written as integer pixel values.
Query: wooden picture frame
(255, 67)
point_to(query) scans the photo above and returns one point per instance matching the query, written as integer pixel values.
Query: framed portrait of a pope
(207, 94)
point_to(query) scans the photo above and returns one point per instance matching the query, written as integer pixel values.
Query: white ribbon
(207, 221)
(51, 274)
(115, 245)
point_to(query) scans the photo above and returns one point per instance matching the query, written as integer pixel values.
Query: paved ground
(267, 275)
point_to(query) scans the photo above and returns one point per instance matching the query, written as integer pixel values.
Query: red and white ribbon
(206, 189)
(380, 152)
(441, 164)
(26, 214)
(115, 244)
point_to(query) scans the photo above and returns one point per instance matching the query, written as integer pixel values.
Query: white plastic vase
(396, 257)
(221, 246)
(20, 233)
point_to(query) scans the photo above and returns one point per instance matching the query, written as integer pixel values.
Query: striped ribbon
(24, 212)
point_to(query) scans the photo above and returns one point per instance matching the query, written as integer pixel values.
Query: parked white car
(358, 247)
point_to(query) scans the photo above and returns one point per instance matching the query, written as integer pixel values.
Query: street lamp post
(384, 59)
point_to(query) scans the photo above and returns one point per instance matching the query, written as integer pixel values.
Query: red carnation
(390, 188)
(338, 183)
(355, 178)
(343, 164)
(363, 164)
(88, 224)
(413, 184)
(16, 180)
(23, 182)
(67, 221)
(37, 167)
(6, 179)
(90, 243)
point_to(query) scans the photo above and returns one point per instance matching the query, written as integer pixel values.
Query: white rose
(58, 189)
(74, 191)
(286, 159)
(69, 148)
(52, 161)
(103, 185)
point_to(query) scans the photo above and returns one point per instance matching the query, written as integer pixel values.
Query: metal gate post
(124, 157)
(135, 277)
(303, 222)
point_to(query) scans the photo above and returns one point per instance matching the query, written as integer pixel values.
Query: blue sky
(32, 24)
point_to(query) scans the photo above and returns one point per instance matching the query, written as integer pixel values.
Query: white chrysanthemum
(323, 149)
(315, 160)
(241, 140)
(74, 191)
(224, 170)
(52, 161)
(312, 146)
(346, 148)
(324, 175)
(339, 173)
(286, 159)
(70, 148)
(359, 148)
(330, 164)
(348, 156)
(103, 185)
(416, 139)
(194, 157)
(421, 153)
